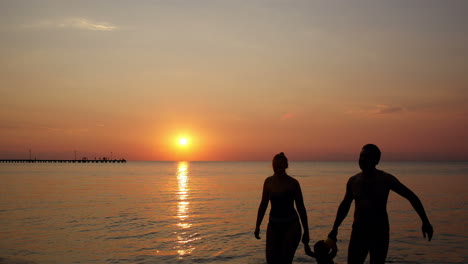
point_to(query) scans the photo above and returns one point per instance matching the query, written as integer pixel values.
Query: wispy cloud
(68, 131)
(74, 23)
(20, 126)
(382, 109)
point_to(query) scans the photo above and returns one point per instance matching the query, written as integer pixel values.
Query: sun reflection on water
(183, 208)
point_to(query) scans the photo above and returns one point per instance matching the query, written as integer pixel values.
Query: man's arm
(405, 192)
(343, 210)
(302, 213)
(262, 208)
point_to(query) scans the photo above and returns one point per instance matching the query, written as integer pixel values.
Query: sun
(183, 141)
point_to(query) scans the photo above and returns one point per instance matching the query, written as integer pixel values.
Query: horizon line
(407, 160)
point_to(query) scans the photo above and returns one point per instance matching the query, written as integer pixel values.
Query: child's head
(324, 252)
(321, 248)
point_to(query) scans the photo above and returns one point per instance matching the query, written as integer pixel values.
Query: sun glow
(183, 141)
(182, 145)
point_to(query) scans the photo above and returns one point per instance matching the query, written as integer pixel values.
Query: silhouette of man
(369, 189)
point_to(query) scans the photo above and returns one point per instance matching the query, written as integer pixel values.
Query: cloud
(74, 23)
(287, 116)
(382, 109)
(68, 131)
(6, 125)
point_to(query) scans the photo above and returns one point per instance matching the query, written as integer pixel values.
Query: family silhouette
(369, 189)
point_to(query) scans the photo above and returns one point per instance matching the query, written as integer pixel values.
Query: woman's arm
(262, 208)
(302, 214)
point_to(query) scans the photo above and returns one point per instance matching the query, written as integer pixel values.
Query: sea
(205, 212)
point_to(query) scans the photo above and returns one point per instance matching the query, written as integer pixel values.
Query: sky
(239, 80)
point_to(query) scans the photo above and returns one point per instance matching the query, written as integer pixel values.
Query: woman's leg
(290, 241)
(273, 243)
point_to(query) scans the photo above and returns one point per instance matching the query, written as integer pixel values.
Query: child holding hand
(325, 251)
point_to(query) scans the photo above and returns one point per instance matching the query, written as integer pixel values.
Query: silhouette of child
(325, 251)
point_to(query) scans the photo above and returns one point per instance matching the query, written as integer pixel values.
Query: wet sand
(15, 261)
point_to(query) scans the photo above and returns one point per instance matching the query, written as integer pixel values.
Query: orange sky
(242, 80)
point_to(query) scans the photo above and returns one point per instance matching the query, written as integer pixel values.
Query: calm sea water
(205, 212)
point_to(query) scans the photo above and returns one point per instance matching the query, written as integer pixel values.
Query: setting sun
(183, 141)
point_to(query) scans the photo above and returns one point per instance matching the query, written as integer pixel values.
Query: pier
(63, 161)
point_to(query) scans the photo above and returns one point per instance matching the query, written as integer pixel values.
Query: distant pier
(63, 161)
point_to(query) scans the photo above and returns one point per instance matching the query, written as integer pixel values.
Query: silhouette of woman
(284, 230)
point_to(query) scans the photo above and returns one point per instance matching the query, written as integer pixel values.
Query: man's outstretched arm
(342, 212)
(405, 192)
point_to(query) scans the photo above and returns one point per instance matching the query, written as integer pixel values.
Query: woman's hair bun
(280, 162)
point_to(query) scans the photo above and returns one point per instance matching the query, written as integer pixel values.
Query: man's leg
(358, 247)
(379, 248)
